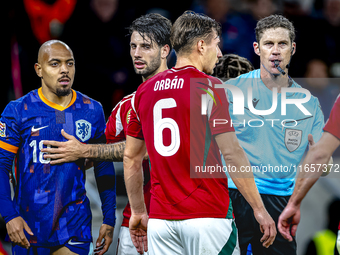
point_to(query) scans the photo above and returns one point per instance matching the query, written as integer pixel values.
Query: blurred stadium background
(96, 32)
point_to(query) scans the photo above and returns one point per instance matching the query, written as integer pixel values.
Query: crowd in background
(96, 31)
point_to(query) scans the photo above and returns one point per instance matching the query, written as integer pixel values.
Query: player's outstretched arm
(234, 155)
(319, 153)
(133, 175)
(73, 150)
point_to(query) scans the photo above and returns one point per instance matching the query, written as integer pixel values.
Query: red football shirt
(116, 127)
(333, 123)
(180, 140)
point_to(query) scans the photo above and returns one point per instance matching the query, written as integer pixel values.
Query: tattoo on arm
(107, 152)
(109, 233)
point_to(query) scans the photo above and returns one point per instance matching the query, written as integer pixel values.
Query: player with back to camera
(187, 215)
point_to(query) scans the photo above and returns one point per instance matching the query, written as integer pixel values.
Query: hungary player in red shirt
(149, 48)
(318, 155)
(149, 51)
(190, 212)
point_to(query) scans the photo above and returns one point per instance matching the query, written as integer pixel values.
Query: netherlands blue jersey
(52, 198)
(274, 143)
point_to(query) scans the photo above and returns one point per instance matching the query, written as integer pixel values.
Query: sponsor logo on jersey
(128, 115)
(37, 129)
(2, 129)
(74, 243)
(293, 139)
(83, 130)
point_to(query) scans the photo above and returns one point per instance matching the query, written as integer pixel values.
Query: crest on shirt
(2, 129)
(128, 115)
(293, 139)
(83, 130)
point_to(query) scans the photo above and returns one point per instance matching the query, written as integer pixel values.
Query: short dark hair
(231, 66)
(274, 21)
(190, 26)
(154, 26)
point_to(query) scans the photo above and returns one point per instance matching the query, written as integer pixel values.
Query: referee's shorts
(249, 229)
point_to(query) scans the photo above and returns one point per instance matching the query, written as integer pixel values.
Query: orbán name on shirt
(175, 83)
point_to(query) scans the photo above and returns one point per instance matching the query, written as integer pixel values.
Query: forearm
(7, 208)
(133, 176)
(106, 152)
(106, 183)
(306, 178)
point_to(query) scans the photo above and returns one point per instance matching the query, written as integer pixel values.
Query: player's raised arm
(319, 153)
(72, 150)
(234, 155)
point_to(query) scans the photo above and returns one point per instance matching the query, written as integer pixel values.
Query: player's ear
(37, 68)
(165, 51)
(200, 46)
(256, 48)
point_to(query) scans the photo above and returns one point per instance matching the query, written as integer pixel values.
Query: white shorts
(338, 242)
(193, 236)
(125, 245)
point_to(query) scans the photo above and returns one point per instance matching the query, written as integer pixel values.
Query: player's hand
(15, 230)
(138, 228)
(146, 156)
(288, 221)
(88, 164)
(267, 227)
(106, 233)
(68, 151)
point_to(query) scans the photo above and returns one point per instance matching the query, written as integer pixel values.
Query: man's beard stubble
(151, 68)
(63, 92)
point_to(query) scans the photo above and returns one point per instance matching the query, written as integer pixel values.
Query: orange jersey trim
(54, 105)
(8, 147)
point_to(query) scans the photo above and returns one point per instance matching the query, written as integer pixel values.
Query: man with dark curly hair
(232, 66)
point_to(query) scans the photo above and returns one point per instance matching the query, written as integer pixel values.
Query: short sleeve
(219, 119)
(134, 126)
(319, 123)
(333, 123)
(9, 129)
(114, 127)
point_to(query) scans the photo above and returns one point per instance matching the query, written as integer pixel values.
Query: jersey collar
(54, 105)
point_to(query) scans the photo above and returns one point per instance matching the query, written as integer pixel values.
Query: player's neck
(59, 100)
(188, 61)
(274, 81)
(161, 68)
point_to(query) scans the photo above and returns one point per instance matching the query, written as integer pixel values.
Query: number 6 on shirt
(160, 124)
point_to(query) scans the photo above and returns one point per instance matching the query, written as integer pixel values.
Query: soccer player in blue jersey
(50, 213)
(273, 130)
